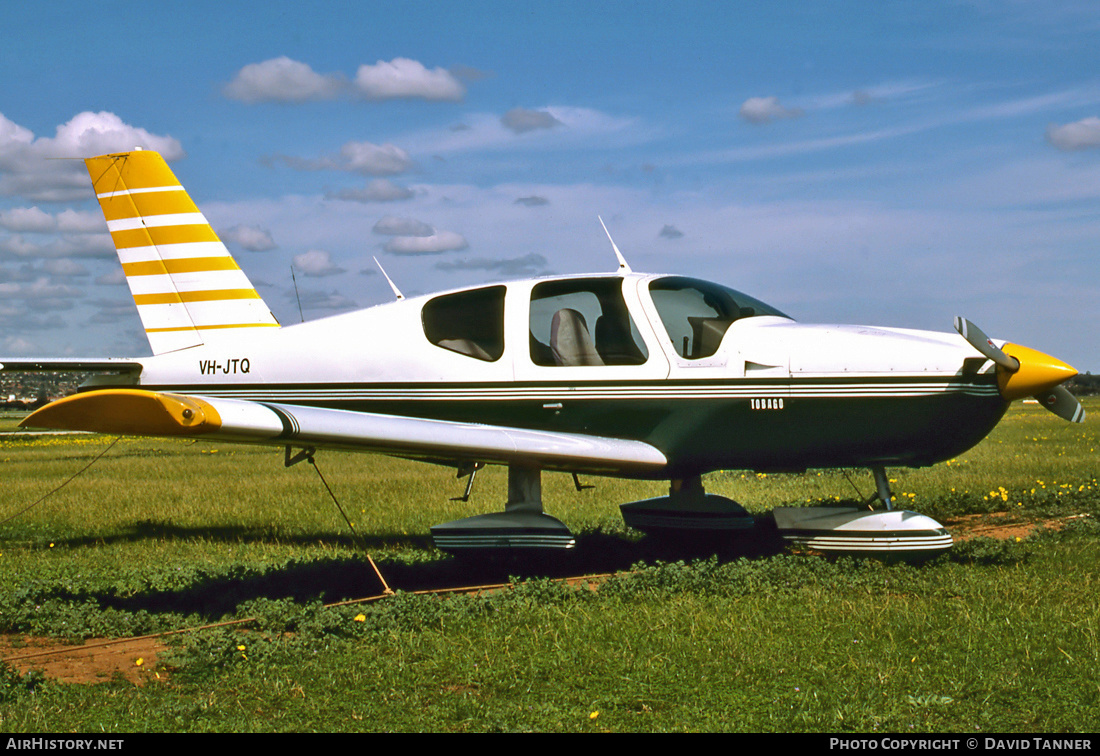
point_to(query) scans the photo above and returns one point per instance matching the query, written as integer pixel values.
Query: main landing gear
(522, 524)
(687, 509)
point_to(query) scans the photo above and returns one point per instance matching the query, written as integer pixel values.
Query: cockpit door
(588, 329)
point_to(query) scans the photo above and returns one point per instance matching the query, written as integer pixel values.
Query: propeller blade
(1063, 404)
(977, 339)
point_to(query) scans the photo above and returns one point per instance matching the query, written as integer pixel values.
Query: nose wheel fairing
(848, 530)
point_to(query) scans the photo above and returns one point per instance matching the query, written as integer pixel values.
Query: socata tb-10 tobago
(623, 374)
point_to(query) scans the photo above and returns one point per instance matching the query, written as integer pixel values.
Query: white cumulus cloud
(1075, 136)
(282, 80)
(402, 78)
(26, 167)
(765, 109)
(437, 243)
(316, 263)
(27, 220)
(32, 220)
(78, 222)
(375, 159)
(252, 238)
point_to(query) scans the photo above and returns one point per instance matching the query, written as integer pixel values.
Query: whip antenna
(623, 267)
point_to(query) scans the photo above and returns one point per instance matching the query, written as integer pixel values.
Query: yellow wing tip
(130, 412)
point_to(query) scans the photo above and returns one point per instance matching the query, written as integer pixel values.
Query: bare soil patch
(95, 661)
(1001, 525)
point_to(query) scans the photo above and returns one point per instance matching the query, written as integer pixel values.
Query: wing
(149, 413)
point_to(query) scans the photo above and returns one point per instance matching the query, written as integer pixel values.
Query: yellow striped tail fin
(185, 283)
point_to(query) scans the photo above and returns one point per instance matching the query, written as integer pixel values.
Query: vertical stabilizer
(185, 283)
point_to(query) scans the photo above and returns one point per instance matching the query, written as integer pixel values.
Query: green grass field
(1000, 636)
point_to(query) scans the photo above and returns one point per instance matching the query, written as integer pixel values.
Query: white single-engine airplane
(622, 374)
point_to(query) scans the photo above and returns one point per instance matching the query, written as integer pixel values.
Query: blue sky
(885, 163)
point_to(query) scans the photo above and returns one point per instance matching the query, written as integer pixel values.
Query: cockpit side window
(467, 322)
(697, 313)
(583, 323)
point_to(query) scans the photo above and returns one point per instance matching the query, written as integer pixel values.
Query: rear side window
(467, 322)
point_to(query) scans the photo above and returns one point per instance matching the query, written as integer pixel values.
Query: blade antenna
(396, 292)
(623, 267)
(295, 280)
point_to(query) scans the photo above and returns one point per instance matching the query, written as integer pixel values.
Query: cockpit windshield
(697, 313)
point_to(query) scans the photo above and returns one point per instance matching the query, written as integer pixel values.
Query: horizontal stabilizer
(67, 365)
(148, 413)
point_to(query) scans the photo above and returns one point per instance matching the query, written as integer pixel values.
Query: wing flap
(136, 412)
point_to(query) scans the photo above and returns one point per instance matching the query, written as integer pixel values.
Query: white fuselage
(771, 394)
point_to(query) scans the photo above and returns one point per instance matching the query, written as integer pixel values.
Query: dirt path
(95, 661)
(999, 525)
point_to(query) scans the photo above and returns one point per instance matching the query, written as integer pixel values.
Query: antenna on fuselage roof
(295, 280)
(396, 292)
(623, 267)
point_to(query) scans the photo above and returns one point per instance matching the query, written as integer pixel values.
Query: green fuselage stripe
(778, 424)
